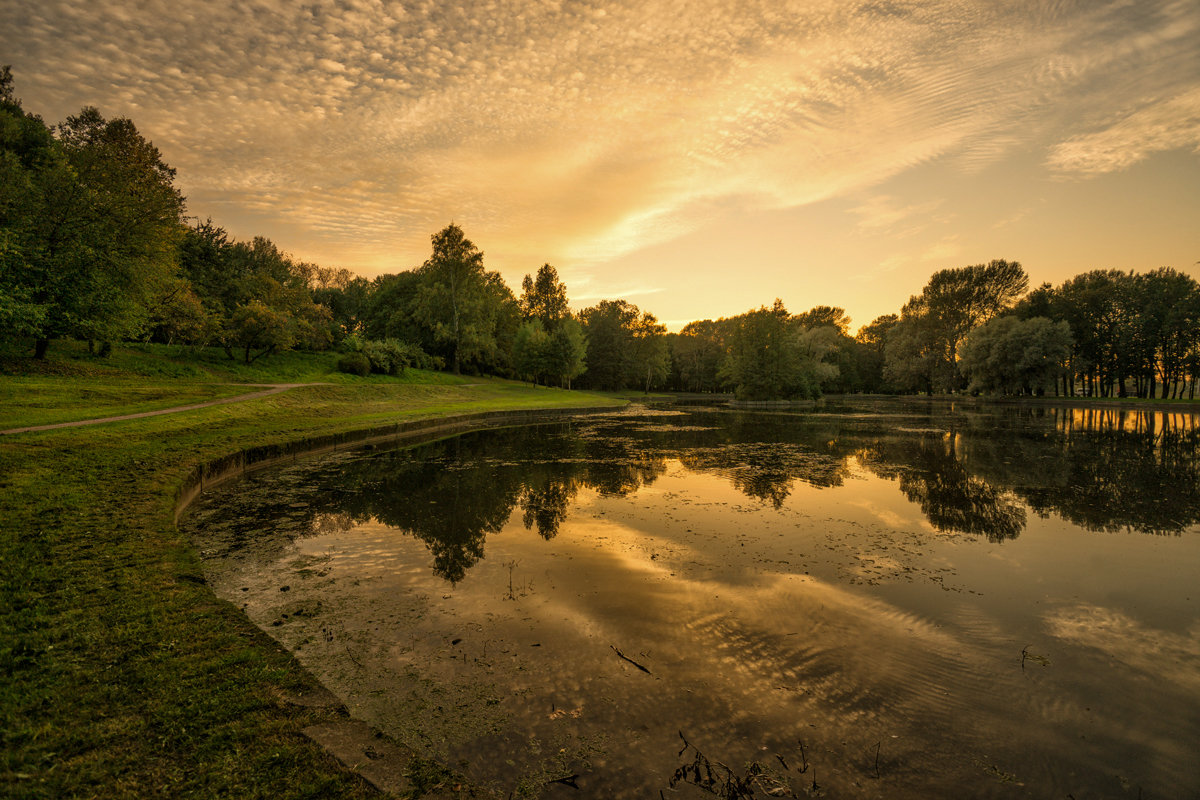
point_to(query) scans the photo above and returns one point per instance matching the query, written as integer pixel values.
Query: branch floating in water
(630, 660)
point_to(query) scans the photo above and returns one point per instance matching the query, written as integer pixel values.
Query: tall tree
(651, 359)
(609, 328)
(871, 340)
(819, 316)
(953, 302)
(544, 297)
(89, 221)
(770, 357)
(455, 299)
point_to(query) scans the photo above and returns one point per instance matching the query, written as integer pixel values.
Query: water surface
(874, 600)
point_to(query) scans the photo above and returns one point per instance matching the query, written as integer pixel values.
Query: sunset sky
(695, 158)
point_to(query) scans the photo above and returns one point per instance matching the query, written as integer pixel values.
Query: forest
(95, 245)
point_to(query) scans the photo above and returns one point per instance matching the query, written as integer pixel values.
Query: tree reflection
(967, 471)
(1134, 471)
(452, 494)
(932, 475)
(766, 471)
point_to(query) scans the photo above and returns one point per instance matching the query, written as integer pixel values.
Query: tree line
(95, 245)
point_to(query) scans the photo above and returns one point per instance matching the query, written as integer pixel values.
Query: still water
(892, 599)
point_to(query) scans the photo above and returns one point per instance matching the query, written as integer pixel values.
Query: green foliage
(924, 354)
(255, 325)
(871, 354)
(471, 313)
(387, 357)
(544, 298)
(532, 356)
(355, 364)
(625, 347)
(823, 316)
(769, 359)
(89, 219)
(1008, 355)
(568, 351)
(697, 353)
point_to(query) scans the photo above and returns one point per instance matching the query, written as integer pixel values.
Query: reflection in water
(821, 612)
(1101, 470)
(932, 474)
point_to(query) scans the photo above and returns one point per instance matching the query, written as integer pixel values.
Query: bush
(387, 357)
(355, 364)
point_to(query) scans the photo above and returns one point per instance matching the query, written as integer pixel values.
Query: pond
(875, 599)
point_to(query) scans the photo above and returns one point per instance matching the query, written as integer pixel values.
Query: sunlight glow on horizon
(697, 161)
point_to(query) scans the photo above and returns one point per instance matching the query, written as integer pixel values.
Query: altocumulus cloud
(582, 130)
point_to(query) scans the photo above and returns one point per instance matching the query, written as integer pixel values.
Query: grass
(124, 675)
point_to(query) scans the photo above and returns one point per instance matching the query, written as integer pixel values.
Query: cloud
(582, 131)
(883, 213)
(1158, 653)
(1167, 125)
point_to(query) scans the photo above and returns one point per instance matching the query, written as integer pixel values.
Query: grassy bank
(124, 675)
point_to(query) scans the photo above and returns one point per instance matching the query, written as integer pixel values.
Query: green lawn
(124, 675)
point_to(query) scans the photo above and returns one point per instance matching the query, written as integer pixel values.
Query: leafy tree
(255, 325)
(568, 347)
(769, 359)
(819, 316)
(533, 350)
(1096, 307)
(1168, 327)
(347, 302)
(871, 341)
(391, 310)
(697, 353)
(651, 359)
(544, 298)
(953, 302)
(179, 315)
(89, 221)
(1009, 355)
(909, 357)
(609, 327)
(465, 308)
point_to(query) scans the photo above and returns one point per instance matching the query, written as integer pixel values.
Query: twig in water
(630, 660)
(568, 780)
(1025, 654)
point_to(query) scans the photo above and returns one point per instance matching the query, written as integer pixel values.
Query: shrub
(354, 364)
(387, 357)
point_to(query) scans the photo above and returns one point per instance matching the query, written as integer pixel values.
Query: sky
(697, 159)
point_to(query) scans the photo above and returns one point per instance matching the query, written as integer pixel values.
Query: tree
(89, 221)
(347, 303)
(544, 297)
(1009, 355)
(953, 302)
(532, 351)
(256, 325)
(819, 316)
(609, 328)
(771, 358)
(697, 353)
(1095, 306)
(651, 359)
(568, 346)
(871, 341)
(117, 230)
(458, 302)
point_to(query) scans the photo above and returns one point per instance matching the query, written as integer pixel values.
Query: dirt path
(272, 388)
